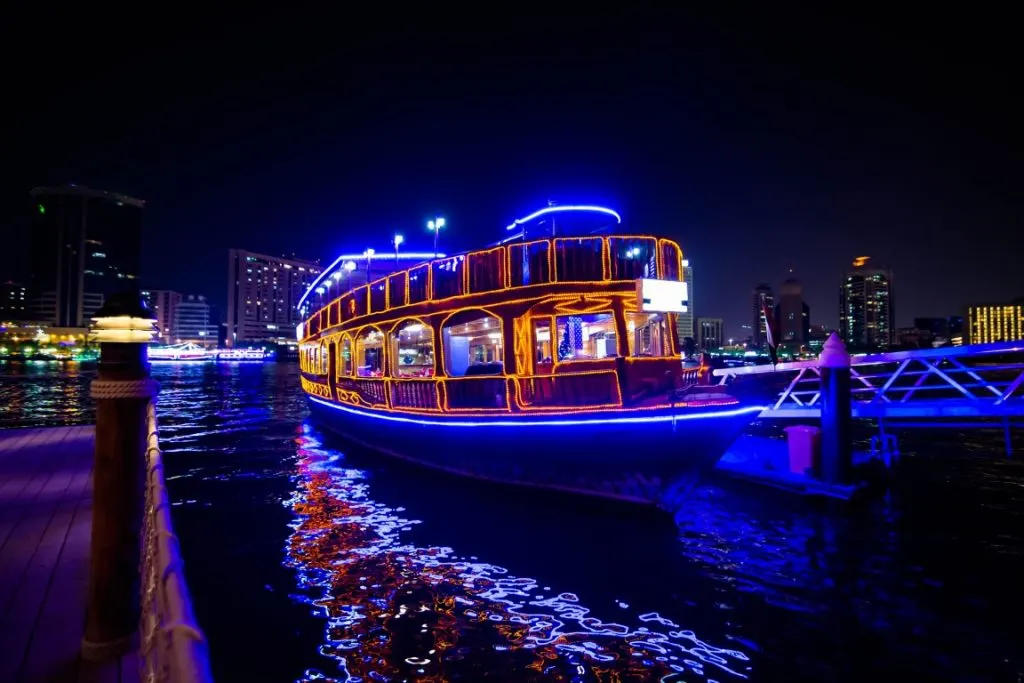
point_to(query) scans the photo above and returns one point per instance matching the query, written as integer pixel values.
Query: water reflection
(45, 393)
(396, 611)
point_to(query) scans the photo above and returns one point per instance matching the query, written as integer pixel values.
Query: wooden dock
(45, 524)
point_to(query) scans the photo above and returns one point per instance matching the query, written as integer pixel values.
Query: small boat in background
(192, 353)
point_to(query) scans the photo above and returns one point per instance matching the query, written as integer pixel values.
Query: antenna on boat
(552, 202)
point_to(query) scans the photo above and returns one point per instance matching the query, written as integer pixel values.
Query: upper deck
(509, 272)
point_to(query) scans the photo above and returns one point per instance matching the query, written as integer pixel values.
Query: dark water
(307, 561)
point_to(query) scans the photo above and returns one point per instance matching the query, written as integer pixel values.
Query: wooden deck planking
(45, 526)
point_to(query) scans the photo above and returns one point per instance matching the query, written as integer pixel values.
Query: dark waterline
(309, 559)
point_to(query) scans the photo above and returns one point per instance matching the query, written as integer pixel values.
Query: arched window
(412, 347)
(648, 334)
(322, 361)
(369, 356)
(588, 336)
(345, 364)
(473, 344)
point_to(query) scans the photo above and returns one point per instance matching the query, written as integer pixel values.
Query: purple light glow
(647, 419)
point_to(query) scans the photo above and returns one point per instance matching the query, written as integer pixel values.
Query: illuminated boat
(179, 353)
(243, 355)
(547, 362)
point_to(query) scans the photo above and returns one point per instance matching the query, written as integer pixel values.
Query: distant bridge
(948, 387)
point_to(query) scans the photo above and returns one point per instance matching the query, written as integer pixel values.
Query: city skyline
(702, 140)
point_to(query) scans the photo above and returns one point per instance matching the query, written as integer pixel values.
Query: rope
(170, 650)
(114, 389)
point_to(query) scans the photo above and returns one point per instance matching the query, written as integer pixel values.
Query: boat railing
(539, 262)
(476, 393)
(590, 388)
(415, 393)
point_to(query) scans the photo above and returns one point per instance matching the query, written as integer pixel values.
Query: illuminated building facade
(709, 333)
(196, 321)
(263, 296)
(759, 334)
(793, 315)
(996, 322)
(164, 304)
(685, 328)
(86, 247)
(13, 304)
(866, 307)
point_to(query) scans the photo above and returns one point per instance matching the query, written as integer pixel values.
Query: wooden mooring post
(122, 390)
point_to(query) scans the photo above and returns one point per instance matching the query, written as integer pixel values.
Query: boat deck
(45, 526)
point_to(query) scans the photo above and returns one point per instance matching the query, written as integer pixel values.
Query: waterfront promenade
(45, 523)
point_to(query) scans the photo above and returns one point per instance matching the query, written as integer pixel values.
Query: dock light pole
(369, 261)
(836, 414)
(122, 390)
(348, 268)
(435, 226)
(397, 241)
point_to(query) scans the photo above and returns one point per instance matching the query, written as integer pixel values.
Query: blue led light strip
(746, 410)
(381, 256)
(559, 209)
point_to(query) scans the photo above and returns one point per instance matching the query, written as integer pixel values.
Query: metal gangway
(958, 386)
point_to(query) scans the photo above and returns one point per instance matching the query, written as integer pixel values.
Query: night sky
(762, 142)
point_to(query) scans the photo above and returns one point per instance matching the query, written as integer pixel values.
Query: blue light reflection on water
(921, 586)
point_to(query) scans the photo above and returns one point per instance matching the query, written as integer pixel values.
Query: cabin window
(378, 296)
(412, 346)
(632, 258)
(345, 366)
(473, 345)
(671, 258)
(322, 361)
(370, 353)
(418, 280)
(648, 334)
(585, 337)
(579, 259)
(529, 264)
(542, 340)
(448, 277)
(396, 289)
(487, 271)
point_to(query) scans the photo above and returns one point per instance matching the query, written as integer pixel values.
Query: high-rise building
(196, 321)
(709, 333)
(762, 296)
(86, 247)
(164, 304)
(866, 307)
(684, 321)
(263, 293)
(793, 314)
(13, 304)
(989, 323)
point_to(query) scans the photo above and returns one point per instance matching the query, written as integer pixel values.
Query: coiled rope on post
(135, 388)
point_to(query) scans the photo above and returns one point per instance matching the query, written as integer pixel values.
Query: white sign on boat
(662, 296)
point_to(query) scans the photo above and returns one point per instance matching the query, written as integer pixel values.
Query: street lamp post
(349, 267)
(435, 226)
(397, 241)
(369, 260)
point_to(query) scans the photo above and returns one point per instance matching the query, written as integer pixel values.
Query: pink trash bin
(804, 448)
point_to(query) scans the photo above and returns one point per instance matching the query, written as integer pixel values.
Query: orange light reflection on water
(399, 612)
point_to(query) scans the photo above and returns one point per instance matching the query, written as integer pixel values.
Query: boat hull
(651, 457)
